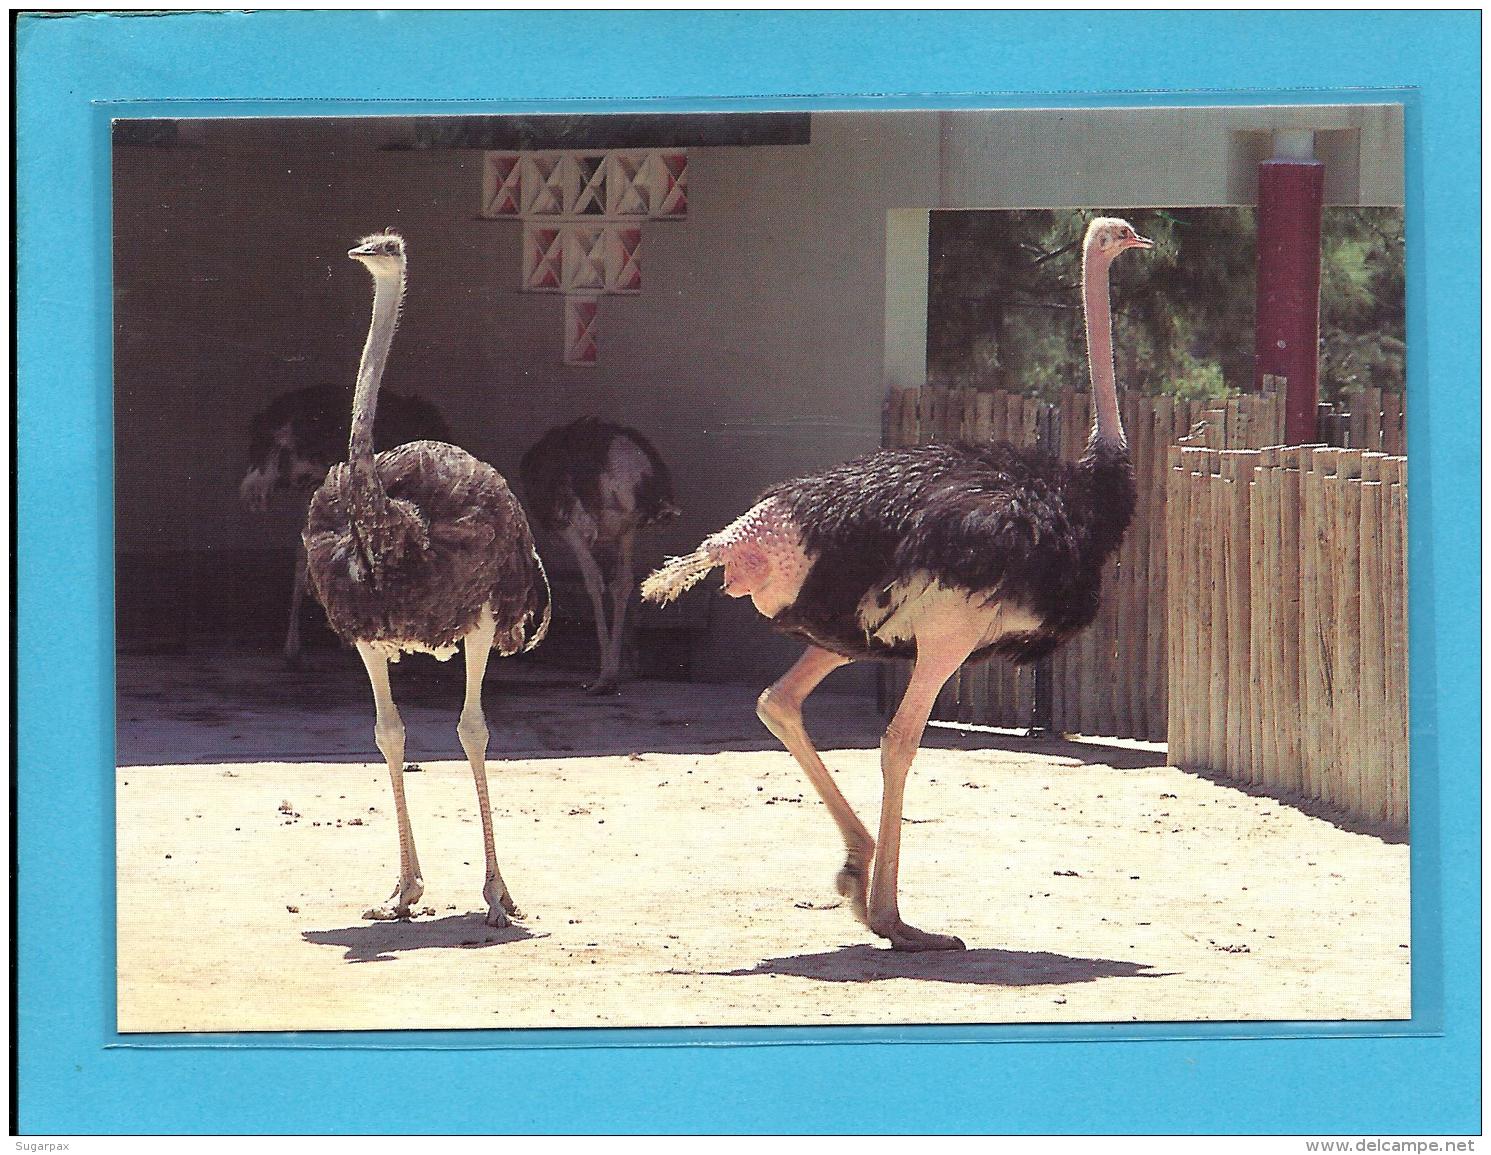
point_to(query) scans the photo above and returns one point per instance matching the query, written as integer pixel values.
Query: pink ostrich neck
(1107, 425)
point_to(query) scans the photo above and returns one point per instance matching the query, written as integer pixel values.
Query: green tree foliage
(1004, 304)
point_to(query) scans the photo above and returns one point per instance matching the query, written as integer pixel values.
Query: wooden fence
(1288, 622)
(1113, 678)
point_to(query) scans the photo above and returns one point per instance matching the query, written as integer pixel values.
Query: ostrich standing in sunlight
(295, 439)
(939, 553)
(596, 484)
(422, 548)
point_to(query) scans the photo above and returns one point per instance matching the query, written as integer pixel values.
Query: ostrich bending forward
(595, 485)
(939, 553)
(422, 548)
(295, 439)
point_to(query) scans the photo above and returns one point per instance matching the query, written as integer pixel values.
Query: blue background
(78, 1076)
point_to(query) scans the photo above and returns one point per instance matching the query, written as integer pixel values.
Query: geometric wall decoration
(569, 258)
(581, 213)
(649, 184)
(579, 330)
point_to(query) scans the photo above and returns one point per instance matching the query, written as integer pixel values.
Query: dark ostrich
(940, 553)
(422, 548)
(300, 434)
(595, 485)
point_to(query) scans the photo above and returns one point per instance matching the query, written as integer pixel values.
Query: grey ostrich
(596, 484)
(422, 548)
(940, 553)
(297, 437)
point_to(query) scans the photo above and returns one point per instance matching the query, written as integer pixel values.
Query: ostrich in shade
(295, 439)
(422, 548)
(939, 553)
(596, 484)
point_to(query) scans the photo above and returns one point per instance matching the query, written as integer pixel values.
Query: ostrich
(939, 553)
(596, 484)
(421, 548)
(295, 439)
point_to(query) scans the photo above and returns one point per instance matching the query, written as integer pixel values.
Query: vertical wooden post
(1346, 567)
(1237, 466)
(1372, 698)
(1155, 636)
(1397, 670)
(1288, 720)
(1262, 627)
(1043, 706)
(1175, 737)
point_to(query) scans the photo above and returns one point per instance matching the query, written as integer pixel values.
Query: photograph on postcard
(761, 569)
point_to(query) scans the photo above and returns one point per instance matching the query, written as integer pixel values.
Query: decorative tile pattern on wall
(581, 214)
(616, 185)
(579, 330)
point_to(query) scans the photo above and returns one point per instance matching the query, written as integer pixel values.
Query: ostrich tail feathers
(677, 576)
(542, 630)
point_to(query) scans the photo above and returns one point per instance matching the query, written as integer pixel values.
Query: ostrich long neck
(388, 293)
(1107, 427)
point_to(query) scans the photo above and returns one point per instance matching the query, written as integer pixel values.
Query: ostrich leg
(780, 709)
(297, 595)
(621, 592)
(938, 656)
(595, 587)
(473, 733)
(388, 729)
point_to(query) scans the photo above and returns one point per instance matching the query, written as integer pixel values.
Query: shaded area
(1121, 754)
(240, 704)
(382, 941)
(987, 966)
(1314, 807)
(231, 704)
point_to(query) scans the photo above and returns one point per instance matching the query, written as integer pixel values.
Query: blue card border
(77, 1076)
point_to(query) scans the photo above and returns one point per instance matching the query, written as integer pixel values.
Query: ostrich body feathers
(901, 533)
(414, 569)
(596, 476)
(991, 522)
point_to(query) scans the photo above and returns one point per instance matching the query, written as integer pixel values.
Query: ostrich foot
(501, 909)
(603, 685)
(905, 937)
(404, 895)
(853, 885)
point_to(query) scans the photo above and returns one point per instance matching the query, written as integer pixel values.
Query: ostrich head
(381, 254)
(1109, 236)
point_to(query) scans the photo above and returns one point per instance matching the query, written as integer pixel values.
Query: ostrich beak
(360, 251)
(1138, 242)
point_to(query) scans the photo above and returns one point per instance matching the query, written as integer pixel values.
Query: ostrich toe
(903, 936)
(501, 909)
(405, 895)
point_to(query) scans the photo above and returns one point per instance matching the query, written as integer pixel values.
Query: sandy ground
(676, 869)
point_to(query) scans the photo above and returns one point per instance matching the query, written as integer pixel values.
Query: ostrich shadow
(384, 941)
(986, 966)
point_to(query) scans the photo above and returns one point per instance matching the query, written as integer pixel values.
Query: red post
(1291, 194)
